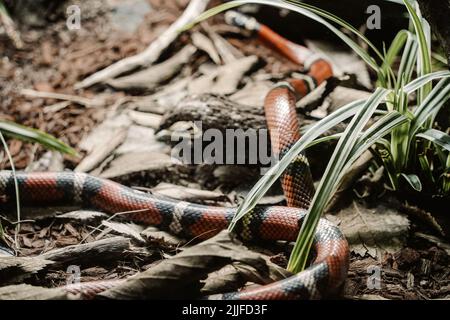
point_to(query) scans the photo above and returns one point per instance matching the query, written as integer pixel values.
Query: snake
(327, 272)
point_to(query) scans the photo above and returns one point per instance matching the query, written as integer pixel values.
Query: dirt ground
(54, 59)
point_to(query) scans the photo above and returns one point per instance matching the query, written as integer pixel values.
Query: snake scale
(328, 270)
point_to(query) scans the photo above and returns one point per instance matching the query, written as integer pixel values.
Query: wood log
(216, 112)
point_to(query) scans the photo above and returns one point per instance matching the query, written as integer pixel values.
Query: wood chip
(95, 158)
(151, 77)
(137, 163)
(145, 119)
(187, 194)
(225, 79)
(204, 43)
(126, 229)
(82, 215)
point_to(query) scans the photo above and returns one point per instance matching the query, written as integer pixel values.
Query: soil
(54, 59)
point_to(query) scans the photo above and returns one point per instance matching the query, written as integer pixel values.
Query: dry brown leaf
(232, 277)
(16, 269)
(187, 194)
(126, 229)
(162, 238)
(82, 215)
(373, 231)
(28, 292)
(179, 276)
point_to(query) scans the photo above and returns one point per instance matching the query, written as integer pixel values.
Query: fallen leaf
(127, 229)
(28, 292)
(373, 231)
(82, 215)
(16, 269)
(187, 194)
(71, 230)
(162, 238)
(180, 275)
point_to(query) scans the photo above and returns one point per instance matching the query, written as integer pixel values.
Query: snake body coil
(267, 223)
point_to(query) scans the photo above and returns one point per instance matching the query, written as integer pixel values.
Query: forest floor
(405, 244)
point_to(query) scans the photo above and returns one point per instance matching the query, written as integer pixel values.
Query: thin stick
(16, 186)
(66, 97)
(110, 218)
(153, 51)
(23, 221)
(10, 29)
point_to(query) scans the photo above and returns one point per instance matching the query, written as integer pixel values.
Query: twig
(152, 53)
(23, 221)
(10, 28)
(110, 218)
(204, 43)
(150, 78)
(57, 107)
(97, 156)
(88, 103)
(225, 49)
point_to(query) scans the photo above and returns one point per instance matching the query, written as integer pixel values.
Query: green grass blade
(426, 171)
(437, 137)
(263, 185)
(423, 80)
(430, 106)
(388, 164)
(330, 180)
(382, 127)
(445, 178)
(375, 134)
(395, 1)
(344, 24)
(299, 8)
(424, 45)
(397, 44)
(18, 131)
(442, 60)
(383, 143)
(441, 154)
(408, 61)
(321, 140)
(413, 181)
(399, 137)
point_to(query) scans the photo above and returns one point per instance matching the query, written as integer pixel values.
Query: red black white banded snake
(268, 223)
